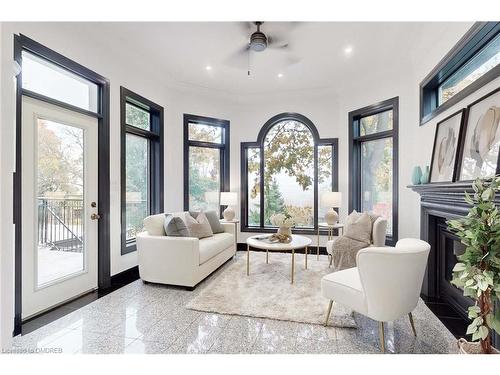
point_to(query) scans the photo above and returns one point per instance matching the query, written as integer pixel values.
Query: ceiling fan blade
(276, 42)
(239, 58)
(246, 27)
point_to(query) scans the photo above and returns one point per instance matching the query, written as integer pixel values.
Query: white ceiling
(180, 52)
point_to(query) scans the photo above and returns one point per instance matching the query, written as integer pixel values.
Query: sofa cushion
(345, 288)
(213, 219)
(199, 227)
(211, 246)
(154, 225)
(175, 226)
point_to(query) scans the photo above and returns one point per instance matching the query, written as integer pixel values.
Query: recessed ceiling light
(280, 75)
(208, 67)
(348, 50)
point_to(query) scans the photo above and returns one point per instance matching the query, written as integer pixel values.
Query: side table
(330, 228)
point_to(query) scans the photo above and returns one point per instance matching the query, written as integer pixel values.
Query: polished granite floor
(147, 318)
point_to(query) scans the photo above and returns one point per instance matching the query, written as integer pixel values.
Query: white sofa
(183, 261)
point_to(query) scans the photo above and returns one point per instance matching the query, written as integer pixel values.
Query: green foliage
(60, 169)
(204, 168)
(138, 117)
(478, 270)
(136, 182)
(289, 148)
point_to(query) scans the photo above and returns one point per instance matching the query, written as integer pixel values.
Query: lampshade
(228, 198)
(331, 199)
(212, 196)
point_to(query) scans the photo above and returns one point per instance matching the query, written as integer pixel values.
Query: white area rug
(268, 293)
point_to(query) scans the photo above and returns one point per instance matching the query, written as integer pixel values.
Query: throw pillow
(199, 227)
(359, 227)
(373, 217)
(175, 227)
(213, 219)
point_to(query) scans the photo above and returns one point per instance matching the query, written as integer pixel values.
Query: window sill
(129, 247)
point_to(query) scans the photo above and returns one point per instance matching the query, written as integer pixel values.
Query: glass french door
(59, 205)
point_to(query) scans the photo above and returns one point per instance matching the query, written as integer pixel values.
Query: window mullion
(315, 191)
(261, 182)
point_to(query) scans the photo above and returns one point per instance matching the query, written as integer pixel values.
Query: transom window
(206, 162)
(286, 171)
(45, 78)
(472, 62)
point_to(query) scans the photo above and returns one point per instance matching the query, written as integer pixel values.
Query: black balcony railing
(61, 224)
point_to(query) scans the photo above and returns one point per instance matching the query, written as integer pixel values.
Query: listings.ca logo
(15, 350)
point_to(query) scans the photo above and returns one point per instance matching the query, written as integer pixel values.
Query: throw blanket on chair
(345, 251)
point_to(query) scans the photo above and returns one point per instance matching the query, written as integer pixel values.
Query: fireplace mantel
(449, 195)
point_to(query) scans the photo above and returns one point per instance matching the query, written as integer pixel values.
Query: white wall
(328, 109)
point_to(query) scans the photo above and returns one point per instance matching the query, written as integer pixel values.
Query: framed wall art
(481, 139)
(446, 146)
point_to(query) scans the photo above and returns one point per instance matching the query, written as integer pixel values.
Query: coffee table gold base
(306, 250)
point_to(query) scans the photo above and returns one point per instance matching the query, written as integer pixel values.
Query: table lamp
(229, 199)
(332, 200)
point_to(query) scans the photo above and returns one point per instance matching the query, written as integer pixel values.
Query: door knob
(95, 216)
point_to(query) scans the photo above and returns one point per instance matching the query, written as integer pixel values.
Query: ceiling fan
(259, 42)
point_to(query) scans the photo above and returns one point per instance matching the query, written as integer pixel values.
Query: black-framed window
(373, 162)
(206, 162)
(141, 164)
(471, 63)
(286, 171)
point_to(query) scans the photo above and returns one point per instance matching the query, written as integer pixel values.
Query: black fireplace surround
(440, 202)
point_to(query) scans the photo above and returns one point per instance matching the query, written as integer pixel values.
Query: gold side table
(235, 222)
(330, 228)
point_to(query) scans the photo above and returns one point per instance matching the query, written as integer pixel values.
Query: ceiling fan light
(258, 41)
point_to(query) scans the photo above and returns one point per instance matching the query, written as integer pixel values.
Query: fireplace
(440, 202)
(447, 248)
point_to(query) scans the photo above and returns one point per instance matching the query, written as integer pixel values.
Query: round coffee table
(298, 242)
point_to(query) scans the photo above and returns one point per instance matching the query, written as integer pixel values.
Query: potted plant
(478, 269)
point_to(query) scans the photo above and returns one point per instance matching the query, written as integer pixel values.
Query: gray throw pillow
(213, 219)
(175, 227)
(199, 227)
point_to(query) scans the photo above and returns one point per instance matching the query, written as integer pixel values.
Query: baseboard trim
(125, 277)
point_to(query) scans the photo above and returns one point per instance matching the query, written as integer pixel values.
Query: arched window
(286, 171)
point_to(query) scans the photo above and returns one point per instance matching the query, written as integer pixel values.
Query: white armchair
(384, 286)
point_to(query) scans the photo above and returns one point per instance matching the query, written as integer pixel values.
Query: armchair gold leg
(412, 324)
(328, 312)
(381, 336)
(248, 260)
